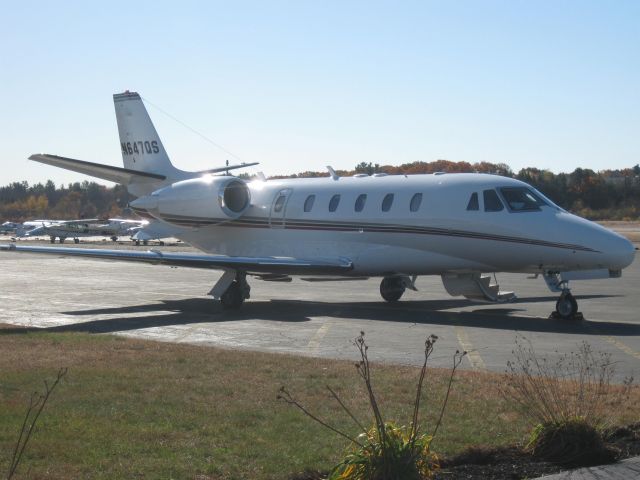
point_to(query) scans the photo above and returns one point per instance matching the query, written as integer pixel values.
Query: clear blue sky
(297, 85)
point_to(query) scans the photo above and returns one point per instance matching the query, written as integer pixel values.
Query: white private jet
(458, 226)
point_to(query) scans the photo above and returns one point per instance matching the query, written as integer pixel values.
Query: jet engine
(211, 198)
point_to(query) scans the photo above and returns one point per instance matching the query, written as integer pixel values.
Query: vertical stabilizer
(140, 144)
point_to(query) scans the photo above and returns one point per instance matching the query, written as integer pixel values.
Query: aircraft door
(277, 216)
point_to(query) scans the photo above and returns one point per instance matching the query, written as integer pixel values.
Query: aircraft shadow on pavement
(427, 312)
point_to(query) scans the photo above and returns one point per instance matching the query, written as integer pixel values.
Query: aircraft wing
(113, 174)
(291, 266)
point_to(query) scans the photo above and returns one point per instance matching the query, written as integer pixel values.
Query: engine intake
(235, 197)
(205, 200)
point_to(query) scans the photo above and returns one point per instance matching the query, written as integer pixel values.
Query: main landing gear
(392, 288)
(232, 289)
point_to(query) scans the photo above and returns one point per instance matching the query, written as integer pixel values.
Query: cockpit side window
(473, 202)
(492, 202)
(521, 199)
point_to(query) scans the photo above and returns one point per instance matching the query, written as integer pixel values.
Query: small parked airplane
(458, 226)
(8, 227)
(112, 228)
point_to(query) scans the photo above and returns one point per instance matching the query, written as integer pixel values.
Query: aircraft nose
(620, 252)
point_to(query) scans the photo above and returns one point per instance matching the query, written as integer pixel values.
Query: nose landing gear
(566, 306)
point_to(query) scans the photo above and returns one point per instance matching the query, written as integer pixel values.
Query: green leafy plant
(385, 451)
(570, 402)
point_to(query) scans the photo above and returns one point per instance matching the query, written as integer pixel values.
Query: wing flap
(288, 265)
(123, 176)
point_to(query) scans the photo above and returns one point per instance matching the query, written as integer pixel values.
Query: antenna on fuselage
(333, 173)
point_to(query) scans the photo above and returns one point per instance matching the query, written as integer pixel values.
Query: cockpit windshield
(522, 199)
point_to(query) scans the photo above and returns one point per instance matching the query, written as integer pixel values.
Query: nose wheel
(566, 306)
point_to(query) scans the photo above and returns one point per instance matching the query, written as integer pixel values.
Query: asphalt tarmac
(317, 319)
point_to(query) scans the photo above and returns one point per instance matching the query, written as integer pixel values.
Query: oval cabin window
(360, 201)
(416, 200)
(387, 202)
(333, 203)
(308, 203)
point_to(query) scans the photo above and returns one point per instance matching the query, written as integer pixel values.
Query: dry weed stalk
(37, 403)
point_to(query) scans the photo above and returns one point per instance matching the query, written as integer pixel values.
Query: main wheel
(233, 297)
(391, 288)
(76, 240)
(566, 306)
(62, 239)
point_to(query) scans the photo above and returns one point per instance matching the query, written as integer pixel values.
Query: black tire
(52, 239)
(232, 298)
(566, 306)
(391, 289)
(76, 240)
(62, 239)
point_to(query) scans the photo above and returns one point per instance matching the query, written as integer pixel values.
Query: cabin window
(473, 202)
(279, 203)
(308, 203)
(416, 200)
(387, 202)
(360, 201)
(521, 199)
(492, 202)
(333, 203)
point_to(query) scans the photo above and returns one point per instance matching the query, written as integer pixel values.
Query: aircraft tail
(140, 144)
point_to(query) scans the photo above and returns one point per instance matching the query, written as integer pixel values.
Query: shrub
(385, 451)
(571, 443)
(569, 401)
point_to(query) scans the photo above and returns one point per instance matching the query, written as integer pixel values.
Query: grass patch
(140, 409)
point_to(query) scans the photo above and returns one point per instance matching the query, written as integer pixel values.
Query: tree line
(20, 201)
(607, 194)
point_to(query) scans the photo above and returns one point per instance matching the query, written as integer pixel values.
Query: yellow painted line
(472, 355)
(616, 343)
(314, 343)
(621, 346)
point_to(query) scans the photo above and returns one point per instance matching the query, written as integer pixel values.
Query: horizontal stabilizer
(228, 167)
(288, 265)
(120, 175)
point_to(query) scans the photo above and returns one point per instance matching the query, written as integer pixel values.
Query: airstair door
(277, 216)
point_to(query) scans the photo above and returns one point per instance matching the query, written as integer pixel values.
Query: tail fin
(141, 147)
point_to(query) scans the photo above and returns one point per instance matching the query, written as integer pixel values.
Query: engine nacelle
(208, 198)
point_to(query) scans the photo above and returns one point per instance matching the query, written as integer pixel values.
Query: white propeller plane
(458, 226)
(112, 228)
